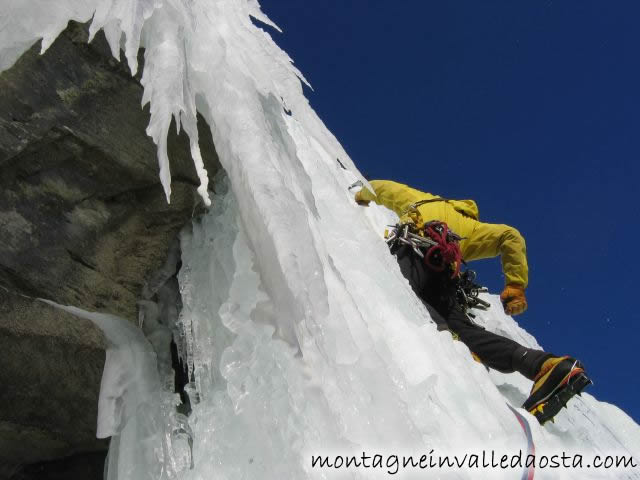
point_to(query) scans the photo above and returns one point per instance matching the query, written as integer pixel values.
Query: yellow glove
(513, 299)
(364, 196)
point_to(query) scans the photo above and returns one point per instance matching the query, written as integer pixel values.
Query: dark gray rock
(83, 222)
(51, 369)
(81, 467)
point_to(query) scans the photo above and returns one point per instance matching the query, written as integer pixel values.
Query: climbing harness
(434, 243)
(438, 247)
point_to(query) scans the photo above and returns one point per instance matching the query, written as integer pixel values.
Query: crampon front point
(549, 408)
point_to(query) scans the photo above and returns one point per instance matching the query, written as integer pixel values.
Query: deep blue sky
(531, 109)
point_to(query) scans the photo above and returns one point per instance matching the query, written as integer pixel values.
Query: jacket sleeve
(489, 240)
(365, 195)
(395, 196)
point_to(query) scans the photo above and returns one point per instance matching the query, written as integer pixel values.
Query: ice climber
(433, 237)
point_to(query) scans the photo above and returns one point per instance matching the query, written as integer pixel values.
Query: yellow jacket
(480, 240)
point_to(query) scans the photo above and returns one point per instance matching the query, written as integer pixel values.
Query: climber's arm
(489, 240)
(393, 195)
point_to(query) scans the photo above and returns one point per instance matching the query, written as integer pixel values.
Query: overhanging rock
(83, 222)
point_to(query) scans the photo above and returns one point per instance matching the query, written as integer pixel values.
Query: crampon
(572, 383)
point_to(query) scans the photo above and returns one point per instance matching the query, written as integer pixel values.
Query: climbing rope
(446, 251)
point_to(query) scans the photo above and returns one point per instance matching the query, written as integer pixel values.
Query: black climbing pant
(438, 292)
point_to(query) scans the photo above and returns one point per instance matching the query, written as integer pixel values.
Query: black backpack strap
(430, 200)
(415, 205)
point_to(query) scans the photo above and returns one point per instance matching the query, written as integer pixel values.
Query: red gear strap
(449, 249)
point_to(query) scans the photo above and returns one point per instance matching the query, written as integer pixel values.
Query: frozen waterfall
(301, 334)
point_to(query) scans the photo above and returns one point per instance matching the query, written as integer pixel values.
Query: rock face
(51, 369)
(83, 222)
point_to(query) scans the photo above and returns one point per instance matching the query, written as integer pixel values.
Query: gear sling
(429, 261)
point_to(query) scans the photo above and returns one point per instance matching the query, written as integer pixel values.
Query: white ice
(301, 333)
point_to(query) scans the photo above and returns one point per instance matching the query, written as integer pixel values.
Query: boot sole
(560, 383)
(545, 411)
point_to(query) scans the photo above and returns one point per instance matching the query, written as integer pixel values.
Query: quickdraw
(468, 291)
(434, 243)
(407, 234)
(438, 247)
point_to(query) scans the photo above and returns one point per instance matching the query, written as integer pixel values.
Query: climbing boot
(559, 379)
